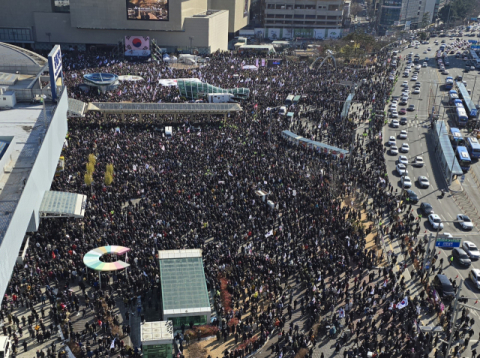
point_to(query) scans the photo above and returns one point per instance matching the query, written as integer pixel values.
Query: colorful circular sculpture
(92, 258)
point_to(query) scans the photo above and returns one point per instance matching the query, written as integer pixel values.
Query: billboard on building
(149, 10)
(334, 33)
(318, 33)
(287, 33)
(55, 68)
(274, 34)
(137, 43)
(304, 33)
(245, 10)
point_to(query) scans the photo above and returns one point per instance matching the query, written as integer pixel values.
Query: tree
(423, 36)
(425, 20)
(456, 9)
(110, 169)
(90, 168)
(108, 178)
(88, 179)
(92, 159)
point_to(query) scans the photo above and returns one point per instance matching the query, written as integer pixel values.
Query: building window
(310, 7)
(279, 6)
(270, 6)
(16, 35)
(331, 17)
(333, 7)
(322, 17)
(310, 16)
(298, 17)
(320, 22)
(60, 5)
(322, 7)
(279, 16)
(288, 16)
(418, 13)
(299, 7)
(269, 15)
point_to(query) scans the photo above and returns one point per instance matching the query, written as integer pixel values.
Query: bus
(463, 158)
(470, 107)
(460, 114)
(449, 83)
(456, 137)
(473, 147)
(452, 96)
(289, 100)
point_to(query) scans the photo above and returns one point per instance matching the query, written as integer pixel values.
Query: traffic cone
(456, 277)
(476, 302)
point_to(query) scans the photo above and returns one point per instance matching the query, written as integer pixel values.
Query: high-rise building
(173, 24)
(286, 19)
(405, 14)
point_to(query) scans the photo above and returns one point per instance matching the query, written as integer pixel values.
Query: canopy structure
(163, 108)
(92, 258)
(57, 204)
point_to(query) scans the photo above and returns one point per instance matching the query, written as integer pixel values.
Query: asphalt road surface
(421, 144)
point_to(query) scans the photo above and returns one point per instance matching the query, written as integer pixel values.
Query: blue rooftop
(101, 78)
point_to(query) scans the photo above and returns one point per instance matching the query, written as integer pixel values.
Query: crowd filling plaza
(305, 257)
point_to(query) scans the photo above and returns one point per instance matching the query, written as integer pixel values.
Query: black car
(443, 286)
(461, 256)
(403, 120)
(411, 196)
(426, 208)
(411, 108)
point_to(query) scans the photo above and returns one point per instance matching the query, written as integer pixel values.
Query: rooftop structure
(184, 290)
(103, 81)
(195, 90)
(157, 339)
(32, 133)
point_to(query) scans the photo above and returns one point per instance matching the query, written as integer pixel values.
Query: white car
(474, 275)
(424, 64)
(423, 181)
(393, 107)
(429, 49)
(405, 84)
(395, 124)
(393, 150)
(418, 162)
(465, 222)
(403, 159)
(403, 134)
(414, 78)
(405, 148)
(402, 169)
(416, 91)
(417, 67)
(394, 114)
(392, 140)
(435, 221)
(471, 249)
(406, 182)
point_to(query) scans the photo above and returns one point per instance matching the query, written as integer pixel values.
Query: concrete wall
(19, 13)
(236, 19)
(61, 30)
(39, 181)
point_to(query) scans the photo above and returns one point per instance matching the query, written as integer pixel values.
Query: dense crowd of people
(198, 189)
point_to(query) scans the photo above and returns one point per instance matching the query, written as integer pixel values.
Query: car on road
(423, 182)
(411, 108)
(392, 140)
(403, 134)
(429, 49)
(402, 111)
(405, 148)
(403, 120)
(402, 159)
(444, 287)
(465, 222)
(474, 276)
(403, 102)
(414, 78)
(445, 72)
(426, 208)
(411, 196)
(395, 124)
(424, 64)
(406, 182)
(393, 150)
(402, 169)
(426, 59)
(471, 249)
(405, 84)
(416, 91)
(435, 221)
(461, 256)
(394, 114)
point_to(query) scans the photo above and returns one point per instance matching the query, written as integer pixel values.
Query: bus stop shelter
(444, 152)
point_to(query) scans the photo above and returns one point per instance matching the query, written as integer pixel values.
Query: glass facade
(16, 35)
(390, 15)
(196, 90)
(157, 351)
(197, 320)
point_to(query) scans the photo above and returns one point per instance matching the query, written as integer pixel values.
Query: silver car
(471, 249)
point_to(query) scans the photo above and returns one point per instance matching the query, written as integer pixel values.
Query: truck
(5, 347)
(188, 59)
(220, 97)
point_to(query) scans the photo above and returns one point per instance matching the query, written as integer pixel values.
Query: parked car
(461, 256)
(393, 150)
(444, 287)
(392, 140)
(465, 222)
(411, 196)
(474, 276)
(426, 208)
(471, 250)
(405, 148)
(403, 134)
(395, 124)
(435, 221)
(423, 182)
(418, 162)
(406, 182)
(402, 159)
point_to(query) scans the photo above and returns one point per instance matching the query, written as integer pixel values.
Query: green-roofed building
(196, 90)
(184, 289)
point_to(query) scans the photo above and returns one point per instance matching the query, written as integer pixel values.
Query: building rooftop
(14, 58)
(156, 332)
(27, 125)
(184, 289)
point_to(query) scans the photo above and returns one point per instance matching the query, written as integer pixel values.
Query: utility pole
(454, 317)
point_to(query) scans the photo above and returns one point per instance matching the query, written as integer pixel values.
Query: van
(289, 100)
(283, 110)
(168, 132)
(5, 347)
